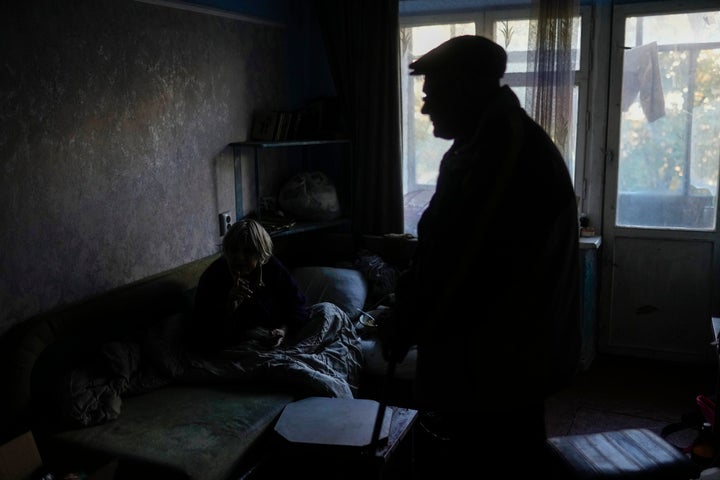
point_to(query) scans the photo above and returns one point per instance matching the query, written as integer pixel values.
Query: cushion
(344, 287)
(633, 453)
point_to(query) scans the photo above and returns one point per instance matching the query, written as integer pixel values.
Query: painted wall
(115, 117)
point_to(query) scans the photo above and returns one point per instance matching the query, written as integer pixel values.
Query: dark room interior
(134, 133)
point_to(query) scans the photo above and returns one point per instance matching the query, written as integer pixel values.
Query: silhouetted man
(492, 297)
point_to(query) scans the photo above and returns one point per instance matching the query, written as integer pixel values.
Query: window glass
(670, 122)
(422, 151)
(515, 36)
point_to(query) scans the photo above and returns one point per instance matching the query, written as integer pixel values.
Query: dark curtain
(361, 40)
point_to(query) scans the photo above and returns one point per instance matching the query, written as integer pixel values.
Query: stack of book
(276, 125)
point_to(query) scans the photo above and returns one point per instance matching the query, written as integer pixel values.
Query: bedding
(354, 290)
(324, 361)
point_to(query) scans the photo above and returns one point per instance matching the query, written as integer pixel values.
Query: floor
(618, 392)
(613, 393)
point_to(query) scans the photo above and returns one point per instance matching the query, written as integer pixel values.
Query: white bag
(310, 196)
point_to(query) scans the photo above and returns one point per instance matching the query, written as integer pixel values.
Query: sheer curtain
(549, 98)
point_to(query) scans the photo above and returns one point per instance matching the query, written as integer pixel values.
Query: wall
(114, 122)
(272, 10)
(425, 7)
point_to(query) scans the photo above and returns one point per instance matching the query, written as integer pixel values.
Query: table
(391, 459)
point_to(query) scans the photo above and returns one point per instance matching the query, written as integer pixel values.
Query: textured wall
(115, 117)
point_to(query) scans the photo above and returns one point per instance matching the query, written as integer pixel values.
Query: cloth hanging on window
(641, 77)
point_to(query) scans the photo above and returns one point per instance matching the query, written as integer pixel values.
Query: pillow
(344, 287)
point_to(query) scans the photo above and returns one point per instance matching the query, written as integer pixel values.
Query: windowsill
(587, 243)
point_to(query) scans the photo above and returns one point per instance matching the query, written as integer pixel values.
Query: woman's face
(242, 263)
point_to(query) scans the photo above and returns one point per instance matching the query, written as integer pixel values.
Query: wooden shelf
(301, 227)
(286, 143)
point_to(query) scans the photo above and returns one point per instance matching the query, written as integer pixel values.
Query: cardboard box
(20, 460)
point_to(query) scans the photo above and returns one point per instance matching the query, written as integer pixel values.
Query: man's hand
(395, 341)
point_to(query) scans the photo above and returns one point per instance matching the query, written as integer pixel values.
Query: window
(422, 152)
(670, 122)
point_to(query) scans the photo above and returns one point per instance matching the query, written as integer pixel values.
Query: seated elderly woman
(247, 293)
(251, 320)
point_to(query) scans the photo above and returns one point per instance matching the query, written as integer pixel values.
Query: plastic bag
(693, 421)
(310, 196)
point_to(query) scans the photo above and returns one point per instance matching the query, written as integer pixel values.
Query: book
(283, 126)
(265, 125)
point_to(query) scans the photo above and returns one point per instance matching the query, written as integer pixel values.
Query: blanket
(324, 360)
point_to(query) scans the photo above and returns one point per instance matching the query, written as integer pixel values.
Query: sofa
(185, 430)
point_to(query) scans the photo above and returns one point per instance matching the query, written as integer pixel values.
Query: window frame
(484, 20)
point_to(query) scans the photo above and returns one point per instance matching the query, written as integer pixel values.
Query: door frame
(608, 153)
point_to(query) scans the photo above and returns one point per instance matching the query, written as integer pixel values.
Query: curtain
(361, 40)
(549, 96)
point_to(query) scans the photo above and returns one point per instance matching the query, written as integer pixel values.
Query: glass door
(660, 243)
(670, 121)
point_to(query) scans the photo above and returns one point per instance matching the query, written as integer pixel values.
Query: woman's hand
(277, 336)
(240, 292)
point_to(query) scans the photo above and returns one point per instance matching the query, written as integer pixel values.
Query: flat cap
(466, 53)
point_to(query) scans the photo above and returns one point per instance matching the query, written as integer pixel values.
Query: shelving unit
(257, 147)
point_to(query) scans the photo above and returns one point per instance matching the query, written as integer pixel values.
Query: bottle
(704, 448)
